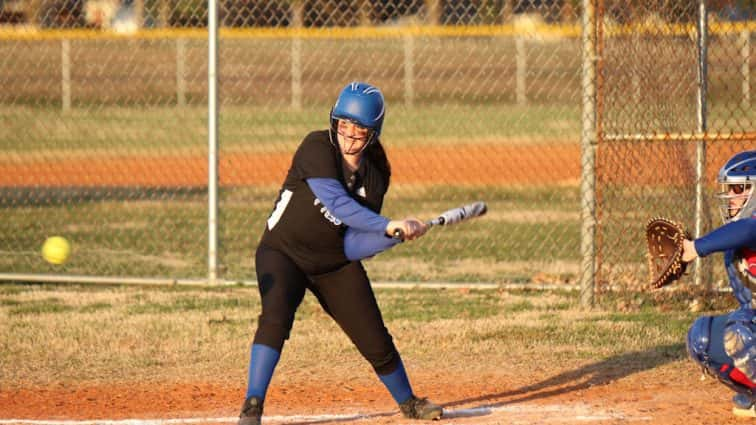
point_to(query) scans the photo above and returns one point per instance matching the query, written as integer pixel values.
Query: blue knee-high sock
(262, 363)
(398, 384)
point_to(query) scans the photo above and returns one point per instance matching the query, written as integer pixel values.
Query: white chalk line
(179, 421)
(560, 413)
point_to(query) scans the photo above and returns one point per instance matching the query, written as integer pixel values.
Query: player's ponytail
(377, 156)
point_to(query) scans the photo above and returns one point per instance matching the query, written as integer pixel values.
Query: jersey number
(279, 209)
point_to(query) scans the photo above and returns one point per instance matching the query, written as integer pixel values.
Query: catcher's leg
(740, 346)
(739, 342)
(706, 346)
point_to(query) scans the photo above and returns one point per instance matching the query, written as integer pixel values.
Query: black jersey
(300, 225)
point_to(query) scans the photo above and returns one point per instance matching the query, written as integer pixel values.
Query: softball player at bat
(724, 345)
(325, 220)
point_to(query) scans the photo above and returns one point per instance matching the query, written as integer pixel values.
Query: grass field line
(550, 413)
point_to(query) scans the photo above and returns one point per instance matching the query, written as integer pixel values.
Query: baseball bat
(453, 216)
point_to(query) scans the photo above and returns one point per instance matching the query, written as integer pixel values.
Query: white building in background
(110, 14)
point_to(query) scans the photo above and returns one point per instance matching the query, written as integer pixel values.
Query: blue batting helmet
(362, 104)
(738, 176)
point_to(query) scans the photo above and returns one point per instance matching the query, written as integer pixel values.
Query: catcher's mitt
(665, 248)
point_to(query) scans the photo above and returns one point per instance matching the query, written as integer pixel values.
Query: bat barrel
(452, 216)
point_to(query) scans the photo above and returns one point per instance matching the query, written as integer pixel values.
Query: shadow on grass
(603, 372)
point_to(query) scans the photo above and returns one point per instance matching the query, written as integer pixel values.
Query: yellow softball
(55, 250)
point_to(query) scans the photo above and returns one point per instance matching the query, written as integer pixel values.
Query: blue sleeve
(359, 244)
(334, 197)
(734, 235)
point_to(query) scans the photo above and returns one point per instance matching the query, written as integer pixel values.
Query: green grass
(165, 129)
(111, 130)
(189, 303)
(115, 333)
(165, 238)
(432, 305)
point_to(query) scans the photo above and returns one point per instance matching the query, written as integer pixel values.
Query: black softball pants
(345, 294)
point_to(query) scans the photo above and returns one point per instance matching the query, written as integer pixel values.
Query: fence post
(181, 71)
(409, 70)
(65, 73)
(588, 142)
(636, 87)
(296, 73)
(745, 68)
(521, 70)
(703, 40)
(212, 142)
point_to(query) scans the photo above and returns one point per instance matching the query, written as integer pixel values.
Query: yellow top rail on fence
(516, 29)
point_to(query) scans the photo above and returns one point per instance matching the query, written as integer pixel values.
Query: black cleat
(251, 411)
(421, 408)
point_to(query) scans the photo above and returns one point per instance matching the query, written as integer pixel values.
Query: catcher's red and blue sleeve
(734, 235)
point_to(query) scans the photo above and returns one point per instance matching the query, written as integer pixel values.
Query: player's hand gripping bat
(452, 216)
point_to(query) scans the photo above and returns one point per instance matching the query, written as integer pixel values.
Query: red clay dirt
(475, 164)
(541, 164)
(666, 395)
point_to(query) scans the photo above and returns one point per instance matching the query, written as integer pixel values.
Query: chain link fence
(664, 130)
(105, 128)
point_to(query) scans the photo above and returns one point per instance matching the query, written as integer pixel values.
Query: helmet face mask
(352, 137)
(737, 179)
(733, 197)
(362, 105)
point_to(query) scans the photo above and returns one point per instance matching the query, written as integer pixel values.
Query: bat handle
(399, 233)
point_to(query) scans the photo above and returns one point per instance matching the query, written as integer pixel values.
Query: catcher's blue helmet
(738, 178)
(362, 104)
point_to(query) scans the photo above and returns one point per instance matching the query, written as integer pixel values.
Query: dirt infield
(550, 163)
(593, 393)
(472, 164)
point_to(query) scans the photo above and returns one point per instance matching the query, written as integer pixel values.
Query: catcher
(725, 345)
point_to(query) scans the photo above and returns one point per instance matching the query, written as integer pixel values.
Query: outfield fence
(575, 122)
